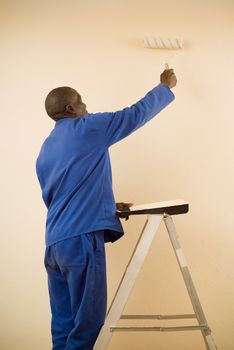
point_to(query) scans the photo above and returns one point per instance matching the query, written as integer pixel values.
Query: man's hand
(168, 77)
(123, 206)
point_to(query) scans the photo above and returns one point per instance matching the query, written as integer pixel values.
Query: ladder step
(158, 329)
(157, 317)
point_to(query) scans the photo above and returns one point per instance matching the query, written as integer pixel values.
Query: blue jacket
(74, 171)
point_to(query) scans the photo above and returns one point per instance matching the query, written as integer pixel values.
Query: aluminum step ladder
(156, 213)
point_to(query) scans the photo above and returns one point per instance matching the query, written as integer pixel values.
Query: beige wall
(185, 152)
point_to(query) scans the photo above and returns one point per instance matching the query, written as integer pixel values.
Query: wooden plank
(173, 207)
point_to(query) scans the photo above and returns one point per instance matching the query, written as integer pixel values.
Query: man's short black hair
(57, 100)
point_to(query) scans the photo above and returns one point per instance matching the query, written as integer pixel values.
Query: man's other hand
(168, 77)
(123, 206)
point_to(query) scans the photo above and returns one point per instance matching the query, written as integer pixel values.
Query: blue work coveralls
(74, 171)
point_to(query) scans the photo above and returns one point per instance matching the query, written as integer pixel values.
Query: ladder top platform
(174, 207)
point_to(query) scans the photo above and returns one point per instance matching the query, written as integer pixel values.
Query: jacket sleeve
(114, 126)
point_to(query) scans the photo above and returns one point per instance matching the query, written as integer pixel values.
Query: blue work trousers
(76, 269)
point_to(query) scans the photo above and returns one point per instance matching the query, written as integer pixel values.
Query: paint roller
(163, 43)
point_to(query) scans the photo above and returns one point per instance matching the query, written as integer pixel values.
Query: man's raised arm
(115, 126)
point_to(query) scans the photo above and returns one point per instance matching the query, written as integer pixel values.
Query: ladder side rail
(206, 332)
(127, 282)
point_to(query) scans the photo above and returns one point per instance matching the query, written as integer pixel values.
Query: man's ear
(69, 109)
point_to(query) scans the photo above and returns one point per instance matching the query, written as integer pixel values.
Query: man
(74, 171)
